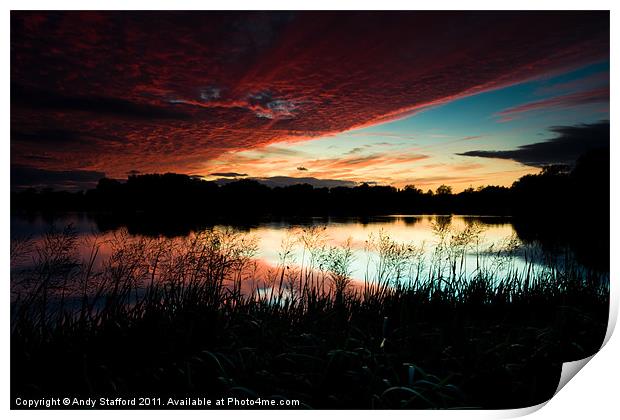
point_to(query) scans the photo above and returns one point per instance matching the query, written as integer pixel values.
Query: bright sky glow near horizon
(339, 97)
(422, 149)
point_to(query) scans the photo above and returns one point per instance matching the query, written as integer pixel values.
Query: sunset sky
(424, 98)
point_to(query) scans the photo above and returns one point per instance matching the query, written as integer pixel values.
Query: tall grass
(196, 314)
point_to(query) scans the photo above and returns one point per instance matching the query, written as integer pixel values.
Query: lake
(398, 248)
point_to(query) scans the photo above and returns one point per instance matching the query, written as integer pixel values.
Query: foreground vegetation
(198, 317)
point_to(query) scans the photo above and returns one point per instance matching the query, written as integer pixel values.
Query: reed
(194, 316)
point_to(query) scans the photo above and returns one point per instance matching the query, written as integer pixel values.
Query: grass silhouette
(176, 318)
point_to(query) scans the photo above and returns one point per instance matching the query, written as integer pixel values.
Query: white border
(592, 394)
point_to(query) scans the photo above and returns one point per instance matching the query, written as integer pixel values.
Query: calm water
(492, 242)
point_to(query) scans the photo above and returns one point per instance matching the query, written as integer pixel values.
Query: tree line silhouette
(557, 207)
(556, 189)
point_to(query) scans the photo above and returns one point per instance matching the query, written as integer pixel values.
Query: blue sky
(300, 95)
(422, 149)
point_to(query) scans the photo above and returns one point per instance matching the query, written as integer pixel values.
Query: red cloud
(158, 91)
(563, 101)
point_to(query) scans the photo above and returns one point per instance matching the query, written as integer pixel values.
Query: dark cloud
(570, 143)
(56, 137)
(30, 177)
(355, 150)
(181, 88)
(228, 174)
(100, 105)
(60, 148)
(283, 181)
(60, 138)
(38, 158)
(302, 168)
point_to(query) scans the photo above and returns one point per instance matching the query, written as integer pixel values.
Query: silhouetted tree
(443, 190)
